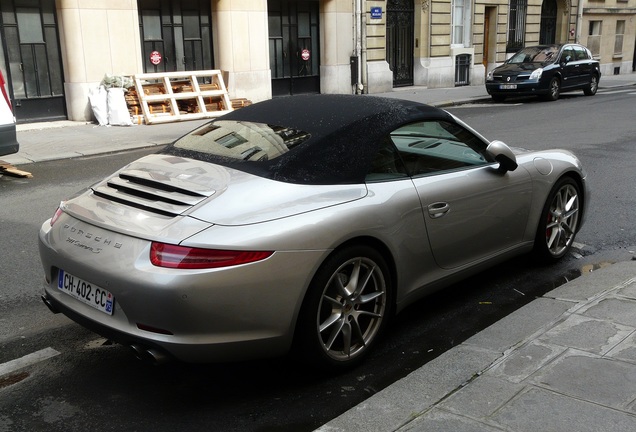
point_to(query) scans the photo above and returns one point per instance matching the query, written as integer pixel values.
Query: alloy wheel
(562, 220)
(555, 89)
(352, 308)
(594, 84)
(592, 87)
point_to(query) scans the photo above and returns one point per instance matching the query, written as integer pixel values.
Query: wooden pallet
(177, 96)
(7, 168)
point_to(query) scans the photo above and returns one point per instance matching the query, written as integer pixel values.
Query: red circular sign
(305, 54)
(155, 57)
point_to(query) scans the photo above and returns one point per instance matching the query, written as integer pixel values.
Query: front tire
(559, 221)
(554, 89)
(346, 309)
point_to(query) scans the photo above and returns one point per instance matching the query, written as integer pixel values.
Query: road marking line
(611, 92)
(27, 360)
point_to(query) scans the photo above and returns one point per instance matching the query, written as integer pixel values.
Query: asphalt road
(81, 382)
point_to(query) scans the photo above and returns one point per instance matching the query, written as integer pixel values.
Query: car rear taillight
(3, 90)
(57, 214)
(183, 257)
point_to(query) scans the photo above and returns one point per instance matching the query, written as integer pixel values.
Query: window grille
(517, 25)
(462, 70)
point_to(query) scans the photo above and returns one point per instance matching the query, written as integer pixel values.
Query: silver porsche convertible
(300, 224)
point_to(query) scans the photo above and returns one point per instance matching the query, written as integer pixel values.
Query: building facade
(608, 28)
(53, 52)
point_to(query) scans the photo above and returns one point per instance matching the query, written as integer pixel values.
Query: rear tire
(559, 221)
(592, 87)
(346, 309)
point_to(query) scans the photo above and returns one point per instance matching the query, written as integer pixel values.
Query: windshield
(544, 54)
(243, 141)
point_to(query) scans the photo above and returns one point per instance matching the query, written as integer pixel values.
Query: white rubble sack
(98, 97)
(118, 114)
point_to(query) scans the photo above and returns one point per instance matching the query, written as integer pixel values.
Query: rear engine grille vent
(167, 196)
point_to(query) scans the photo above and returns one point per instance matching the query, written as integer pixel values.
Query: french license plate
(86, 292)
(508, 86)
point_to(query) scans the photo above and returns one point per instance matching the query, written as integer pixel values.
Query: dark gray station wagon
(546, 71)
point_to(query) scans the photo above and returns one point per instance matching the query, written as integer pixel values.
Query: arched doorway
(399, 40)
(548, 26)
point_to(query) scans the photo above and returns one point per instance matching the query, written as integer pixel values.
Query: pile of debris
(7, 168)
(166, 97)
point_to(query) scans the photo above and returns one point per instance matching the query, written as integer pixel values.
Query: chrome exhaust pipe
(138, 352)
(149, 355)
(156, 357)
(49, 305)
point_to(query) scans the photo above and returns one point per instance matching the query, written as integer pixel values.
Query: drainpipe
(357, 35)
(579, 21)
(363, 59)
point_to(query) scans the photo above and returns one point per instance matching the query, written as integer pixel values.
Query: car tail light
(183, 257)
(3, 90)
(57, 214)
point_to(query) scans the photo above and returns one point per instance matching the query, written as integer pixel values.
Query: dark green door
(547, 34)
(176, 35)
(400, 33)
(294, 56)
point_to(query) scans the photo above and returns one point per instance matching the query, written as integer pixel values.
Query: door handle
(438, 209)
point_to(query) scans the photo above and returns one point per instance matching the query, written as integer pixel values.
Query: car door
(471, 209)
(585, 67)
(570, 68)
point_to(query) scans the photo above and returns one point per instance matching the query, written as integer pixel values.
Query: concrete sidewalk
(565, 362)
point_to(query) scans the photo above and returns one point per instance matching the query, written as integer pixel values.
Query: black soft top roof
(345, 130)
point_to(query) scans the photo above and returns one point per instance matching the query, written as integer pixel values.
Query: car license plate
(508, 86)
(86, 292)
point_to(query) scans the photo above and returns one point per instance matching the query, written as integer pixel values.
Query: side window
(386, 164)
(567, 56)
(432, 147)
(580, 53)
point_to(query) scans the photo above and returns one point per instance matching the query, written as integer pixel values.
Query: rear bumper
(199, 316)
(175, 349)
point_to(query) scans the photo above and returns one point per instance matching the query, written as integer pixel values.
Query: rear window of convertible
(241, 141)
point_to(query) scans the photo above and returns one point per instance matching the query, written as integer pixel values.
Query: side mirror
(502, 154)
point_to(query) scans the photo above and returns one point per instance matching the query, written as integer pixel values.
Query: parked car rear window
(244, 141)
